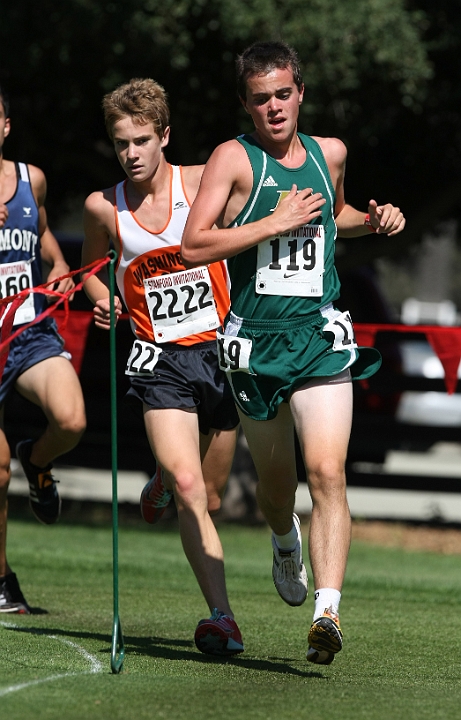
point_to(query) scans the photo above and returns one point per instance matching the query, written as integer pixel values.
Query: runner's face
(273, 102)
(4, 125)
(138, 148)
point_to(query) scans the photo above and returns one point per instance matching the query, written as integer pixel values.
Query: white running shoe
(288, 571)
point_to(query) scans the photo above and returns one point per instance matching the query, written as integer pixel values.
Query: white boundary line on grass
(96, 665)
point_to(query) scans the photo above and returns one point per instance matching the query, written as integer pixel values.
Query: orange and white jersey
(167, 302)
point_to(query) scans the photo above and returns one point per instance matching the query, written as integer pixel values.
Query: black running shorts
(188, 378)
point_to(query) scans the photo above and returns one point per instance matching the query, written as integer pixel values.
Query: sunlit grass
(395, 661)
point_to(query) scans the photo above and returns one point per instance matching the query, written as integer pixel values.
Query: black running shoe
(11, 598)
(44, 500)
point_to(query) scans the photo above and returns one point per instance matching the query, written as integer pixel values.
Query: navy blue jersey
(20, 260)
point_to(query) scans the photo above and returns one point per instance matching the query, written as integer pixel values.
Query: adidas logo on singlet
(270, 182)
(27, 211)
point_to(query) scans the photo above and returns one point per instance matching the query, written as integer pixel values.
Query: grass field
(396, 661)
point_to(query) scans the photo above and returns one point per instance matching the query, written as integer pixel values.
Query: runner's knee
(5, 474)
(71, 423)
(214, 503)
(276, 495)
(327, 480)
(5, 468)
(189, 487)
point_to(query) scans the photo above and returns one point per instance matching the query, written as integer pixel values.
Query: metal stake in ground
(118, 648)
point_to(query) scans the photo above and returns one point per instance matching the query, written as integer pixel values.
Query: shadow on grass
(170, 649)
(38, 611)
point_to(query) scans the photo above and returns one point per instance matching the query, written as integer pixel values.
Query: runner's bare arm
(49, 247)
(222, 194)
(99, 229)
(3, 214)
(385, 219)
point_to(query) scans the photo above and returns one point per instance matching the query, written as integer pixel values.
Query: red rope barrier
(10, 304)
(445, 341)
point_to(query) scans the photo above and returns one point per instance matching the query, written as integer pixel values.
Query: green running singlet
(283, 329)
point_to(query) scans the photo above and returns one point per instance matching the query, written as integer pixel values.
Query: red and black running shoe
(218, 635)
(155, 498)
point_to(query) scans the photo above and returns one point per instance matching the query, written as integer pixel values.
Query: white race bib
(340, 324)
(14, 277)
(181, 304)
(292, 264)
(143, 358)
(234, 353)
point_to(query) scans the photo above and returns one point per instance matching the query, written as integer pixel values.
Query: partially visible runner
(277, 197)
(38, 366)
(189, 413)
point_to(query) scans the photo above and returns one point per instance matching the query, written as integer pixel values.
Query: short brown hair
(142, 99)
(262, 57)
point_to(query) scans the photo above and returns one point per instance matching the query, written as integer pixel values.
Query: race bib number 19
(340, 324)
(233, 353)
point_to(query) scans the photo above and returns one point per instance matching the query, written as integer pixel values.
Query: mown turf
(400, 618)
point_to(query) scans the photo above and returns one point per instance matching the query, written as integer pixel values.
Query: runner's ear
(166, 137)
(301, 93)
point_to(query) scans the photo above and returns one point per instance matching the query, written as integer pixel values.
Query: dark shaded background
(383, 76)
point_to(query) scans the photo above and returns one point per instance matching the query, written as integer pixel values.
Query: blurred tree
(381, 74)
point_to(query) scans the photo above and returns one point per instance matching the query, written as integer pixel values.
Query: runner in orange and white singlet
(166, 302)
(189, 413)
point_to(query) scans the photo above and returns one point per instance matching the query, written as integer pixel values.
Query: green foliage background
(383, 75)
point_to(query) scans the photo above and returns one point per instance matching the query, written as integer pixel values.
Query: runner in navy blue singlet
(37, 366)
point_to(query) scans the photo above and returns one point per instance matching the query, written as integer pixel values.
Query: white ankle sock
(325, 598)
(288, 541)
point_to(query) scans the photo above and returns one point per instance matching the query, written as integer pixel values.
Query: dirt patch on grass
(411, 537)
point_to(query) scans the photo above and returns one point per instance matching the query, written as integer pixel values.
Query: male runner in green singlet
(277, 199)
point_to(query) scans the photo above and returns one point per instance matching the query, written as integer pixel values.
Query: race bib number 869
(15, 277)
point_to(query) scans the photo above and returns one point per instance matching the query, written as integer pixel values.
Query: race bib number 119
(292, 264)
